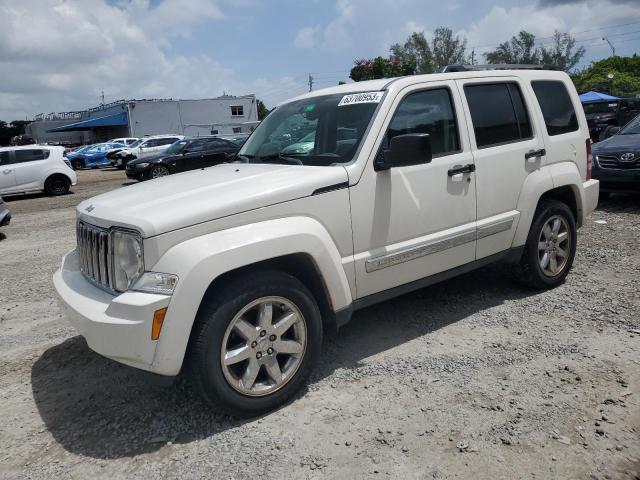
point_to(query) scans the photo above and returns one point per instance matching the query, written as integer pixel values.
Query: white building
(135, 118)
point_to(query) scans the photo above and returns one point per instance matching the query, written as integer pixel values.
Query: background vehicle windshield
(631, 128)
(600, 108)
(176, 147)
(135, 144)
(334, 127)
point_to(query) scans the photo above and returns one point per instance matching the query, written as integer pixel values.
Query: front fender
(199, 261)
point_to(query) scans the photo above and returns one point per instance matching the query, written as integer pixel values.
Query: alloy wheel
(554, 246)
(158, 172)
(263, 346)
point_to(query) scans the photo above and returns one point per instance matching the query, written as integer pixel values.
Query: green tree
(519, 50)
(625, 81)
(562, 52)
(431, 56)
(263, 111)
(380, 67)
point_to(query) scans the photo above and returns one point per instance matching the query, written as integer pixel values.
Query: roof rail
(497, 66)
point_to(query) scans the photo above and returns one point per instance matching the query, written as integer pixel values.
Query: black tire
(204, 360)
(604, 195)
(57, 185)
(531, 272)
(78, 164)
(158, 171)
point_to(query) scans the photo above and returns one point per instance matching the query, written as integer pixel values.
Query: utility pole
(310, 82)
(473, 56)
(102, 97)
(613, 49)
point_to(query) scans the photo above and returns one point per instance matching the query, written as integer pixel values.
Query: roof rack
(497, 66)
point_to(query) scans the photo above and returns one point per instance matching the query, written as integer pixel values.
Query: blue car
(92, 156)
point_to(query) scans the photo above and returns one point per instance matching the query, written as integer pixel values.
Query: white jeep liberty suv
(235, 271)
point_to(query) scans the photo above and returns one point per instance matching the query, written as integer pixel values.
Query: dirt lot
(473, 378)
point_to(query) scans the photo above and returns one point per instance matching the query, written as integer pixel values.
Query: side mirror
(611, 131)
(405, 150)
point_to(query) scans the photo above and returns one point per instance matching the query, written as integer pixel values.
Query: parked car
(94, 156)
(617, 159)
(74, 156)
(234, 272)
(5, 214)
(602, 118)
(237, 138)
(22, 140)
(33, 168)
(144, 147)
(125, 142)
(187, 154)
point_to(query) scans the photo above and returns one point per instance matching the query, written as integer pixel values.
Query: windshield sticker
(310, 107)
(365, 97)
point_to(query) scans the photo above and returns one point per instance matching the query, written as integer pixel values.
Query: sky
(60, 55)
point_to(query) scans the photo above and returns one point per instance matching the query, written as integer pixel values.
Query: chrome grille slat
(94, 249)
(613, 162)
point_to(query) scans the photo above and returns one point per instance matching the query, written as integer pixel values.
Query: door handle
(469, 168)
(6, 172)
(535, 154)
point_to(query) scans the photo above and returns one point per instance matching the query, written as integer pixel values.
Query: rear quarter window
(557, 108)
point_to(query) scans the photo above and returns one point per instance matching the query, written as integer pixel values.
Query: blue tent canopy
(117, 120)
(596, 97)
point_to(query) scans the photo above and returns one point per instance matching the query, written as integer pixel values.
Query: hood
(149, 159)
(618, 144)
(178, 201)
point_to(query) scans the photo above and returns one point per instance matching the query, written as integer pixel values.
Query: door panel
(28, 167)
(412, 222)
(503, 132)
(7, 173)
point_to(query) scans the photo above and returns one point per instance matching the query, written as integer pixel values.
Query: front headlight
(128, 258)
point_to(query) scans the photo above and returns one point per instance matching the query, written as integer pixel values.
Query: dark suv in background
(617, 160)
(188, 154)
(602, 117)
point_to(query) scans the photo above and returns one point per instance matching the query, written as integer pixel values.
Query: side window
(166, 141)
(5, 158)
(498, 113)
(557, 109)
(30, 155)
(148, 144)
(429, 111)
(197, 146)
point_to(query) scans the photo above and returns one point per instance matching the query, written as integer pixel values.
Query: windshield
(176, 147)
(135, 144)
(631, 128)
(600, 108)
(330, 127)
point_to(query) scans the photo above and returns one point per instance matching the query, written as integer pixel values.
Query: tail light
(68, 163)
(589, 158)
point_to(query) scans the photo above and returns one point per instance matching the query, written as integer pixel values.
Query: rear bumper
(591, 189)
(117, 327)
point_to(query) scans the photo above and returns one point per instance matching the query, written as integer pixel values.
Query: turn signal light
(158, 320)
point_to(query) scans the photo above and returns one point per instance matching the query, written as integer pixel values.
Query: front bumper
(617, 179)
(117, 327)
(134, 174)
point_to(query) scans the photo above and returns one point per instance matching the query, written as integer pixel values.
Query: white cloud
(59, 55)
(306, 37)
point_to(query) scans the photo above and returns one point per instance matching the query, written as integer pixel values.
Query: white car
(35, 167)
(235, 271)
(126, 141)
(144, 147)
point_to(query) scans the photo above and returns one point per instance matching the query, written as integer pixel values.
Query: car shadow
(98, 408)
(2, 236)
(132, 182)
(31, 196)
(621, 203)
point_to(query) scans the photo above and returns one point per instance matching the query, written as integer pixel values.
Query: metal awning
(117, 120)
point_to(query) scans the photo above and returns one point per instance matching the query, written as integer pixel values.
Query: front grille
(612, 162)
(94, 248)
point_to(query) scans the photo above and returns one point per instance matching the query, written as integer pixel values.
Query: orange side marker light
(158, 320)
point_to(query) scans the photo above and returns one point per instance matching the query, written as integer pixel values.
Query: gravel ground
(476, 377)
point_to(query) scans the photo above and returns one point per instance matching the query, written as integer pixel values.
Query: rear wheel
(158, 171)
(57, 185)
(256, 343)
(551, 246)
(78, 164)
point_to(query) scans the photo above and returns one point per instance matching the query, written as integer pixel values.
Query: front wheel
(551, 246)
(255, 344)
(158, 171)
